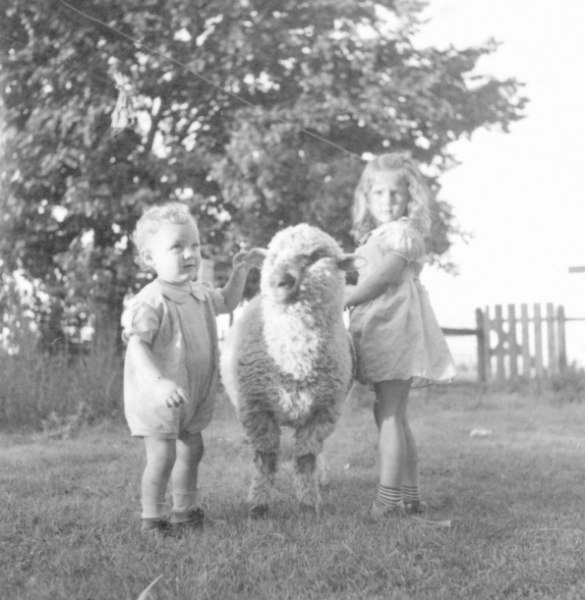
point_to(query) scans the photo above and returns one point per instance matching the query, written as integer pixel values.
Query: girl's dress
(178, 322)
(396, 334)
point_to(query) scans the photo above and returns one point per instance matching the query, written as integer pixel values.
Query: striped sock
(388, 496)
(410, 494)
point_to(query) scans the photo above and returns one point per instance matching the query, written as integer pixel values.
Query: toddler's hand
(251, 258)
(172, 394)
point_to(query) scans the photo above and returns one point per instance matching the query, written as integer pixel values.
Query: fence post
(538, 342)
(501, 346)
(526, 366)
(481, 346)
(486, 343)
(512, 343)
(551, 342)
(561, 320)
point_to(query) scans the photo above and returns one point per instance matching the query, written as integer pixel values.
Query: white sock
(184, 503)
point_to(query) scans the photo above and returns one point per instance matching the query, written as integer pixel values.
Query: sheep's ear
(350, 262)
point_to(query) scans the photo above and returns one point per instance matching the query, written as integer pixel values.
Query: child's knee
(192, 447)
(160, 454)
(199, 449)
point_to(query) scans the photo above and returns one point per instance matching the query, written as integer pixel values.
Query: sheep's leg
(306, 487)
(308, 446)
(262, 482)
(322, 472)
(264, 435)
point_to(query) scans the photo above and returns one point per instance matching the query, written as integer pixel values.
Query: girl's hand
(250, 258)
(172, 394)
(348, 302)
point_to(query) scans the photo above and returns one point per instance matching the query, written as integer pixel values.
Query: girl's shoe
(415, 508)
(379, 511)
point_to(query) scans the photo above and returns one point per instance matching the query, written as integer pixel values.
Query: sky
(521, 194)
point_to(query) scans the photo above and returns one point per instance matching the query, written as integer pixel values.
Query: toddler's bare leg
(160, 457)
(190, 450)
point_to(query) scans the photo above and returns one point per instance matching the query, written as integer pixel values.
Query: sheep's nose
(284, 286)
(287, 281)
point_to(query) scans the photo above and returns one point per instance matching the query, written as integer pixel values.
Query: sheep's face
(304, 263)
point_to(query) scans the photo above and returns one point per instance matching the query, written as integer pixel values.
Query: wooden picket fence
(528, 341)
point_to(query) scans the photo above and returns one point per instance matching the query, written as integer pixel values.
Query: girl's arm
(388, 272)
(153, 378)
(243, 262)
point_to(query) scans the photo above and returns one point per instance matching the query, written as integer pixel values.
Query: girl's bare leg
(410, 465)
(395, 442)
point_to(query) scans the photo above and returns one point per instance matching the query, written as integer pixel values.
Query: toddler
(171, 364)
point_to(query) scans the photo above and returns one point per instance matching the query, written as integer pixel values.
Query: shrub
(569, 386)
(40, 388)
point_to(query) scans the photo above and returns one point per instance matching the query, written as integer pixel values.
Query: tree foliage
(255, 112)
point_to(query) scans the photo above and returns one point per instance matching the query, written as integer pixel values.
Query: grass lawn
(69, 516)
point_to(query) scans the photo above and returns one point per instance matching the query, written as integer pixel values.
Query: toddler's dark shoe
(193, 521)
(156, 528)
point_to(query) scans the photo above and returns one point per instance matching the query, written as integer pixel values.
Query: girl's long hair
(417, 208)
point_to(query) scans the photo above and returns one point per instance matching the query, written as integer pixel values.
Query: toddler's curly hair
(418, 205)
(151, 220)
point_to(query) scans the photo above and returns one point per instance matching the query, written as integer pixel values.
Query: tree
(254, 112)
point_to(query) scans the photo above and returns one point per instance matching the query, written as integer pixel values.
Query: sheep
(288, 360)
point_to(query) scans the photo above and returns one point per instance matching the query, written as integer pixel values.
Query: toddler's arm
(153, 378)
(388, 272)
(242, 263)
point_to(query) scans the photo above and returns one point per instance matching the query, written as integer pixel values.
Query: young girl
(171, 366)
(397, 338)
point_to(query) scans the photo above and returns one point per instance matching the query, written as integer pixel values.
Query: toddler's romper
(178, 322)
(396, 335)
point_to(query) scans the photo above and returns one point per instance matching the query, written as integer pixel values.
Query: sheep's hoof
(258, 512)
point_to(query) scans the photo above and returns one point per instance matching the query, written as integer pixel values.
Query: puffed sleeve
(402, 238)
(140, 319)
